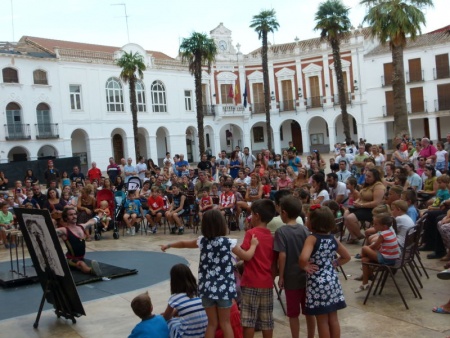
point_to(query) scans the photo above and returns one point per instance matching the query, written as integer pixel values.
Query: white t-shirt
(404, 222)
(379, 159)
(440, 155)
(341, 189)
(324, 193)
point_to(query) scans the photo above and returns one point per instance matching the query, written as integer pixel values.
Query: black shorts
(363, 214)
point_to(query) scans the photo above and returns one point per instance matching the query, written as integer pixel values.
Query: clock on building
(223, 46)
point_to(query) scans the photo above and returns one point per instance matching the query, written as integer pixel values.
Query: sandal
(441, 310)
(362, 288)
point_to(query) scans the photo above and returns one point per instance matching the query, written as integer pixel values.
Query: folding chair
(382, 272)
(417, 259)
(278, 292)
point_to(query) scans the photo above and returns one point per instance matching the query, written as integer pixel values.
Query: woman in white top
(319, 189)
(377, 156)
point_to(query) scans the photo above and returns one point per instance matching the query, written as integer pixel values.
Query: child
(444, 229)
(442, 194)
(257, 282)
(103, 214)
(353, 194)
(133, 210)
(227, 200)
(151, 325)
(410, 197)
(217, 285)
(155, 209)
(30, 199)
(6, 223)
(318, 259)
(206, 202)
(441, 157)
(288, 242)
(265, 181)
(176, 211)
(384, 251)
(404, 222)
(184, 313)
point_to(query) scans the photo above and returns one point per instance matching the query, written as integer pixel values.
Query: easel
(60, 302)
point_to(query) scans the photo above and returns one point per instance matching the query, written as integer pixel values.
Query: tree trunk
(398, 87)
(199, 102)
(133, 106)
(341, 90)
(265, 68)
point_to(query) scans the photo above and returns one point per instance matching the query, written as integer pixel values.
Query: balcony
(314, 102)
(418, 108)
(17, 131)
(388, 111)
(258, 108)
(441, 73)
(442, 103)
(209, 110)
(348, 99)
(287, 105)
(46, 131)
(416, 76)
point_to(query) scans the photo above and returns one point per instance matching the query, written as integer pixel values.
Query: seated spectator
(6, 223)
(30, 199)
(176, 211)
(133, 212)
(227, 200)
(410, 197)
(403, 221)
(206, 202)
(155, 208)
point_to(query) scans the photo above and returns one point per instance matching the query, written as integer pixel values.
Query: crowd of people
(289, 207)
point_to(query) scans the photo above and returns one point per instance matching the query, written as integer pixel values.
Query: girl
(184, 313)
(265, 181)
(119, 184)
(384, 251)
(217, 285)
(65, 180)
(235, 164)
(441, 157)
(318, 259)
(353, 194)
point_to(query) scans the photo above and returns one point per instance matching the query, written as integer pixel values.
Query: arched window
(114, 95)
(140, 97)
(44, 127)
(14, 121)
(40, 77)
(10, 75)
(158, 97)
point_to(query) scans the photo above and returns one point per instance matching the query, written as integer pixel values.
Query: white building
(61, 98)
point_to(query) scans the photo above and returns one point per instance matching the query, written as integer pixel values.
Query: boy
(31, 200)
(410, 197)
(155, 209)
(288, 243)
(151, 325)
(404, 222)
(442, 194)
(227, 199)
(206, 202)
(257, 280)
(6, 223)
(133, 210)
(176, 211)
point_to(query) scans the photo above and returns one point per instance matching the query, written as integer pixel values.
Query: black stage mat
(109, 271)
(153, 267)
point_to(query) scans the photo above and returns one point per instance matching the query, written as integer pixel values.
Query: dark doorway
(297, 136)
(118, 148)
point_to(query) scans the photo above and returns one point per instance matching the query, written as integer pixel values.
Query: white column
(178, 144)
(216, 147)
(432, 123)
(247, 142)
(276, 142)
(331, 136)
(326, 73)
(153, 149)
(305, 141)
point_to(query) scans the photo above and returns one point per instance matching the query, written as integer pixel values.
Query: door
(43, 120)
(258, 98)
(14, 121)
(288, 101)
(189, 152)
(118, 147)
(314, 97)
(296, 132)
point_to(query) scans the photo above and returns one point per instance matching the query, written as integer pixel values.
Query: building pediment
(205, 75)
(256, 75)
(220, 30)
(312, 68)
(226, 76)
(285, 72)
(344, 63)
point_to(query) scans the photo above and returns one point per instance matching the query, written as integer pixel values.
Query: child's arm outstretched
(303, 260)
(181, 245)
(246, 255)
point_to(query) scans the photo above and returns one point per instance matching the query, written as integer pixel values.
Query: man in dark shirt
(39, 196)
(113, 170)
(51, 173)
(77, 174)
(204, 164)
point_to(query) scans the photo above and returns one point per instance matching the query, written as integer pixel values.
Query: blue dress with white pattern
(323, 289)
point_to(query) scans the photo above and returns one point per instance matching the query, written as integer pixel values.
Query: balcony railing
(17, 131)
(209, 110)
(258, 108)
(441, 73)
(415, 76)
(348, 99)
(314, 102)
(47, 130)
(442, 104)
(417, 109)
(386, 82)
(388, 111)
(287, 105)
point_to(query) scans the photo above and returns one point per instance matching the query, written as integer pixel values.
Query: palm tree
(392, 21)
(264, 23)
(132, 64)
(332, 20)
(198, 50)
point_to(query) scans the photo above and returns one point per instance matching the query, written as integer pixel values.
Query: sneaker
(444, 275)
(180, 231)
(362, 288)
(154, 229)
(133, 231)
(358, 257)
(96, 271)
(128, 231)
(173, 230)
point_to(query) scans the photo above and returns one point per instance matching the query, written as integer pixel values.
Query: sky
(160, 25)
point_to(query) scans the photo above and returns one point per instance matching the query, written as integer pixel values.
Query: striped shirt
(389, 248)
(192, 316)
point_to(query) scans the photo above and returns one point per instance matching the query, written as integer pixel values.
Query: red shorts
(295, 299)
